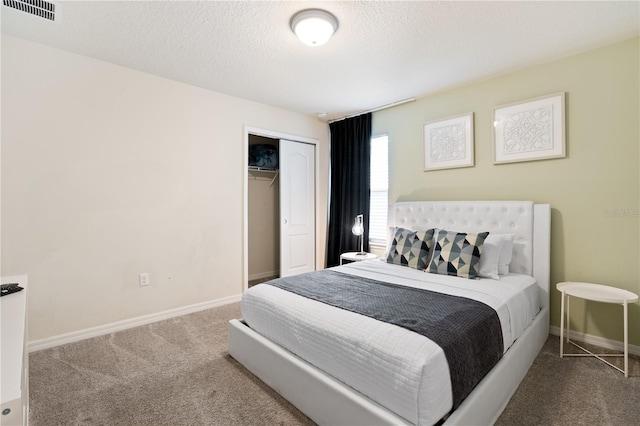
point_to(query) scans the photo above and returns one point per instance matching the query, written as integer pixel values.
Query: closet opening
(263, 213)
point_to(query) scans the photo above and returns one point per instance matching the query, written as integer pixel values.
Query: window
(379, 201)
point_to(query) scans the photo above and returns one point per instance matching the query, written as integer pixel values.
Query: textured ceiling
(382, 52)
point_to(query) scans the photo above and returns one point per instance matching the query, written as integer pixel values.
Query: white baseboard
(595, 340)
(75, 336)
(261, 275)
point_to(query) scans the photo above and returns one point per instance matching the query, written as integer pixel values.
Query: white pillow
(496, 255)
(489, 257)
(506, 253)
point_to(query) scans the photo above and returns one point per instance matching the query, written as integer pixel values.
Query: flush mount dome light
(314, 27)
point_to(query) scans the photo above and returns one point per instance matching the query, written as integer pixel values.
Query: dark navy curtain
(350, 184)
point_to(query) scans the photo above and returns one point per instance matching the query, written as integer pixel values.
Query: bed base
(322, 398)
(328, 401)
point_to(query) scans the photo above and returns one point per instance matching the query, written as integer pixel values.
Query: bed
(335, 376)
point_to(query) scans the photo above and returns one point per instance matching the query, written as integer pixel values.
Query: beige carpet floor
(178, 372)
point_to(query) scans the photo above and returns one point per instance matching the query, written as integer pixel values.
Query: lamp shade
(358, 225)
(358, 229)
(314, 27)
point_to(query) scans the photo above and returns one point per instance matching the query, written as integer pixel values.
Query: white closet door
(297, 208)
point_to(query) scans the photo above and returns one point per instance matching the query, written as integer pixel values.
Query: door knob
(284, 221)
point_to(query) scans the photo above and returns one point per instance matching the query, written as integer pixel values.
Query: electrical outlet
(143, 279)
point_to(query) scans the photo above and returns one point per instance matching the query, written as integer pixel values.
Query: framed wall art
(529, 130)
(448, 143)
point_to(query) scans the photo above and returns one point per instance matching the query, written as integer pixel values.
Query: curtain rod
(392, 104)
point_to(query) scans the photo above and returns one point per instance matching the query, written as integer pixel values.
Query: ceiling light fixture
(314, 27)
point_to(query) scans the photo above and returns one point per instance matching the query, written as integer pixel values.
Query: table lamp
(358, 229)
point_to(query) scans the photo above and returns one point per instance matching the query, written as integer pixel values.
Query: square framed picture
(529, 130)
(448, 143)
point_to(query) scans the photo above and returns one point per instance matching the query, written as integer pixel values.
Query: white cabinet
(15, 359)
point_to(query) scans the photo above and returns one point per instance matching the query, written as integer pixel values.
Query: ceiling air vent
(41, 8)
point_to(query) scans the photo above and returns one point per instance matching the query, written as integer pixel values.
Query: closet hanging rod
(380, 108)
(275, 172)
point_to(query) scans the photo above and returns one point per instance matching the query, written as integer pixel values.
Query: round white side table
(354, 256)
(597, 293)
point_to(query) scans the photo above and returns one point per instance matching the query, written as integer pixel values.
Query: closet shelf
(260, 169)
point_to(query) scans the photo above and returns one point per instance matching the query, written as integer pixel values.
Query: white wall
(108, 172)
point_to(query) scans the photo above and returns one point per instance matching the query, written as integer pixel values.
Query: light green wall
(599, 173)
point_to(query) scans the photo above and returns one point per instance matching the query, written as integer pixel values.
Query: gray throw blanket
(468, 331)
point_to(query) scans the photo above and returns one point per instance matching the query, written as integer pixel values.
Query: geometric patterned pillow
(410, 248)
(457, 253)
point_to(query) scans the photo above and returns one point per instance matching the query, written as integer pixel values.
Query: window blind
(379, 197)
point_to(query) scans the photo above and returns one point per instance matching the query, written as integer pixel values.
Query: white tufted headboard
(530, 223)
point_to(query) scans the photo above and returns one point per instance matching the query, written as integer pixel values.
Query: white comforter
(401, 370)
